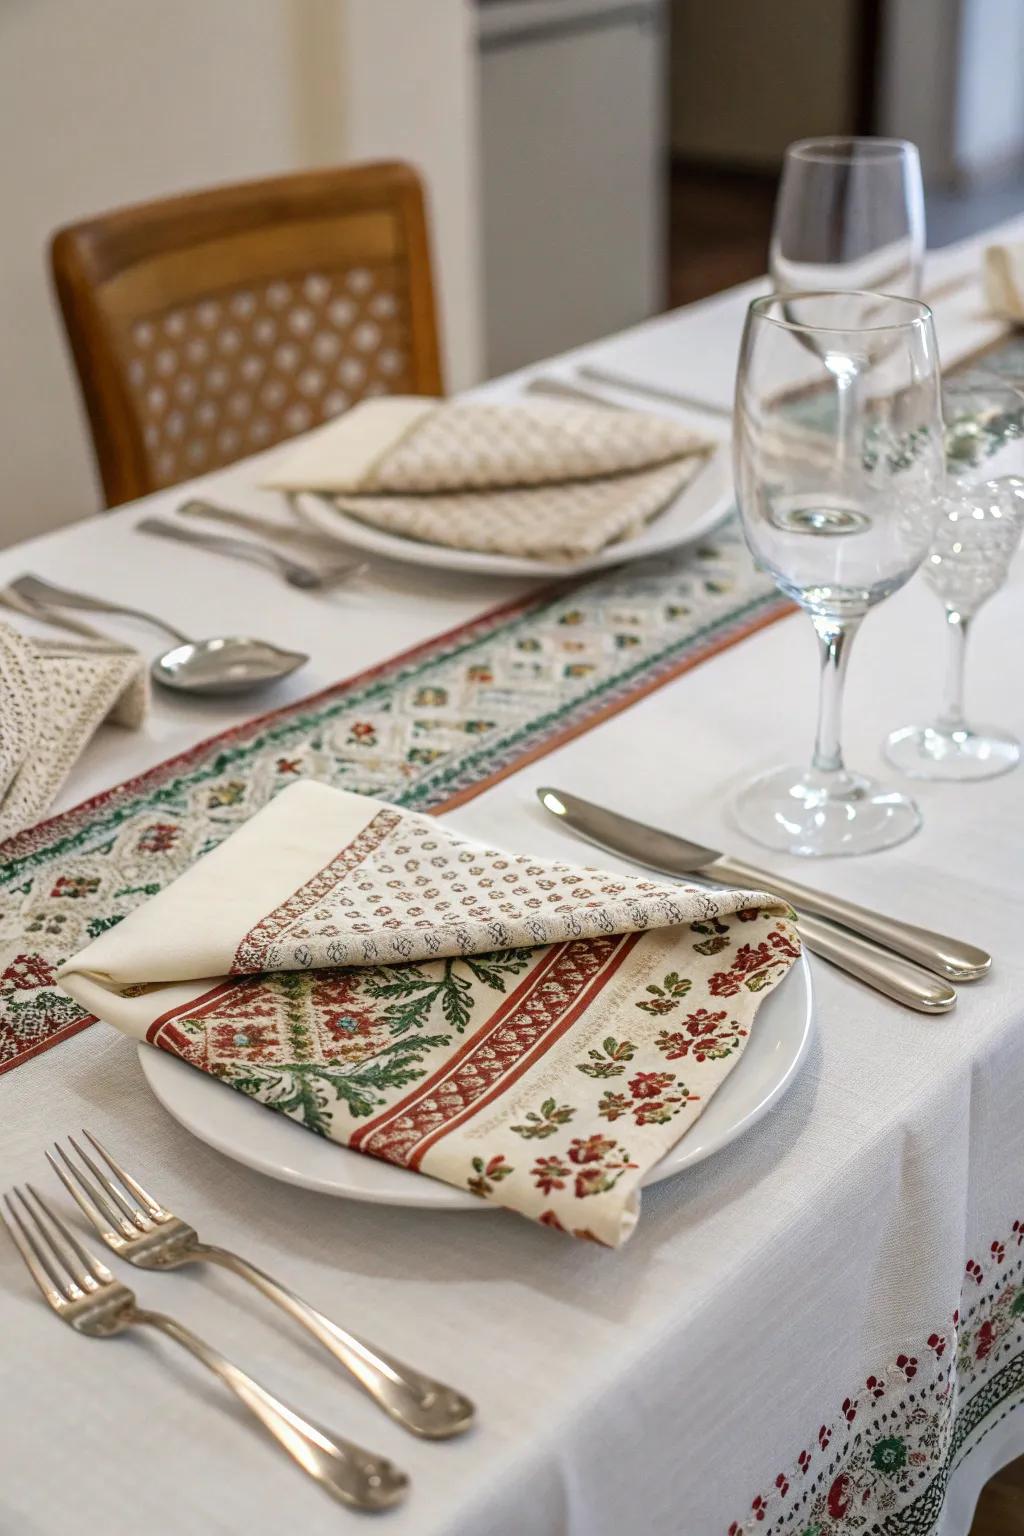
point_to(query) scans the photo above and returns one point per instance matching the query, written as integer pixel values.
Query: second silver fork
(85, 1295)
(145, 1234)
(295, 572)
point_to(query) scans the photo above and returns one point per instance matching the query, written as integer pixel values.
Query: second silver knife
(865, 958)
(676, 855)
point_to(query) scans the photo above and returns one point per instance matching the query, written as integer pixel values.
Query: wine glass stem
(952, 716)
(835, 637)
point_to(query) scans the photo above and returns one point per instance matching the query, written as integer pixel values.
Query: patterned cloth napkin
(1004, 281)
(545, 479)
(53, 695)
(538, 1034)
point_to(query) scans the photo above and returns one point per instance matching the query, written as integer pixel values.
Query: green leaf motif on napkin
(486, 1175)
(307, 1090)
(546, 1122)
(307, 1042)
(607, 1062)
(665, 997)
(415, 994)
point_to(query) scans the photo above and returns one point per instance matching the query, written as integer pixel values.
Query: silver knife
(676, 856)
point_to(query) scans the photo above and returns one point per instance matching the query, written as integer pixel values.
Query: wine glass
(839, 467)
(976, 536)
(849, 215)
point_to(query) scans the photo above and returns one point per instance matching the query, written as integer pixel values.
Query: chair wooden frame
(115, 268)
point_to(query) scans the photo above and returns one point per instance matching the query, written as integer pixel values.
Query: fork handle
(880, 968)
(347, 1472)
(426, 1407)
(222, 544)
(952, 958)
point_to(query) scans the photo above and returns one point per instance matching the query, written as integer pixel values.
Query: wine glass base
(821, 815)
(937, 752)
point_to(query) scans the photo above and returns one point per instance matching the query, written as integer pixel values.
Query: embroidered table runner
(537, 1033)
(428, 729)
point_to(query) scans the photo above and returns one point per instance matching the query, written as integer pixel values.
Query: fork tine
(46, 1249)
(35, 1263)
(137, 1222)
(154, 1208)
(89, 1200)
(88, 1271)
(50, 1250)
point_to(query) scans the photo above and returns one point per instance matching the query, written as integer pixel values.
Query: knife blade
(672, 855)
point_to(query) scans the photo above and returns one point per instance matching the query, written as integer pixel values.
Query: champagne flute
(839, 466)
(976, 537)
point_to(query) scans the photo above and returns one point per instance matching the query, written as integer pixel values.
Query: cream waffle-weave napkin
(533, 1032)
(541, 478)
(1004, 281)
(53, 696)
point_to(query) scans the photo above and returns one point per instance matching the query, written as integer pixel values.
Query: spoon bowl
(221, 665)
(225, 664)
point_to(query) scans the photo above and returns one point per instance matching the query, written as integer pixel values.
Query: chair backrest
(209, 326)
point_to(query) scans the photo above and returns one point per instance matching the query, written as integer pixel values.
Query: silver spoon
(221, 665)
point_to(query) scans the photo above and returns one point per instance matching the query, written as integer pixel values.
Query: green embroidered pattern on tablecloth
(882, 1464)
(418, 731)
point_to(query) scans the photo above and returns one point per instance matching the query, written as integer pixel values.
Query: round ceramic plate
(275, 1145)
(695, 511)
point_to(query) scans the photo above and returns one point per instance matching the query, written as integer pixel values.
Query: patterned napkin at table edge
(536, 1033)
(547, 479)
(53, 696)
(1004, 281)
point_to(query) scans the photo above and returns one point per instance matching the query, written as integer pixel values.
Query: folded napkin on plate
(53, 695)
(1004, 281)
(535, 1033)
(540, 478)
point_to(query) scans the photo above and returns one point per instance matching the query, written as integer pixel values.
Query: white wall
(105, 102)
(918, 84)
(990, 104)
(953, 82)
(411, 92)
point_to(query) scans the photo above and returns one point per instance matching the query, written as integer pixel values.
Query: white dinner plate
(694, 512)
(271, 1143)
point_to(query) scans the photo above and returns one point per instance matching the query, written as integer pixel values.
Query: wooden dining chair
(208, 326)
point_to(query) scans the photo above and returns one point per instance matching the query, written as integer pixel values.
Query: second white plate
(271, 1143)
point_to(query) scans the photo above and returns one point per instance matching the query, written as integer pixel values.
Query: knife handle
(935, 951)
(897, 978)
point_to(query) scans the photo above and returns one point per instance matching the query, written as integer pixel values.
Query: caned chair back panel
(210, 326)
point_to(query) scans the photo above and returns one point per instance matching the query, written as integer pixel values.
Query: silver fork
(144, 1233)
(84, 1294)
(295, 573)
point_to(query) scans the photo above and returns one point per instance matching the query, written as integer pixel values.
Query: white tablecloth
(775, 1302)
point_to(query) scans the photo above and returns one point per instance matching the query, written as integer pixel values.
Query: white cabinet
(573, 171)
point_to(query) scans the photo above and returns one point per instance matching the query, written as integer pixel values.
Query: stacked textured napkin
(538, 1034)
(53, 696)
(545, 479)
